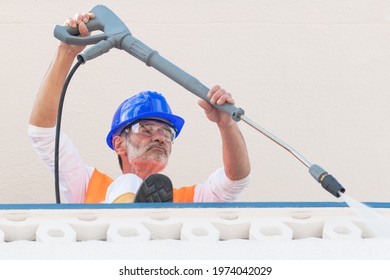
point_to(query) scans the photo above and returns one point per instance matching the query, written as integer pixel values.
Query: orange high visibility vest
(99, 183)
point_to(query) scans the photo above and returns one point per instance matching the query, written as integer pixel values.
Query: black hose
(58, 128)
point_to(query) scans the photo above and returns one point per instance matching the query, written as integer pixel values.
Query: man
(142, 132)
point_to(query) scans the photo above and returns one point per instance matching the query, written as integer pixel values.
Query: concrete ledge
(215, 228)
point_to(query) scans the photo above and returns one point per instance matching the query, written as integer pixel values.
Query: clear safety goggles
(150, 128)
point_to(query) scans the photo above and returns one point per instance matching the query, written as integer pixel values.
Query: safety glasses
(150, 128)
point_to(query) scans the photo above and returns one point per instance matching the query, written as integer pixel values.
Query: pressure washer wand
(116, 34)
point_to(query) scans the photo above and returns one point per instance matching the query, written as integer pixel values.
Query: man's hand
(78, 21)
(218, 96)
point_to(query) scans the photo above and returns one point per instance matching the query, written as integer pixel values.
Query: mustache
(158, 145)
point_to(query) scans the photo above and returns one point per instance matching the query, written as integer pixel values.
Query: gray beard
(156, 162)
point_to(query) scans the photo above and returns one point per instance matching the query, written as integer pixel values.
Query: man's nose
(159, 136)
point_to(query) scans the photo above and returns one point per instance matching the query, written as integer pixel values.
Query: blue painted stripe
(190, 205)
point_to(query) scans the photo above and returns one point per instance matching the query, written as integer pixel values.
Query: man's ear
(118, 143)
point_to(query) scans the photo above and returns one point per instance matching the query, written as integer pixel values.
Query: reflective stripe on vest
(99, 183)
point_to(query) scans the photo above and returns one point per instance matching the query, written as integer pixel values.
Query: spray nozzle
(328, 182)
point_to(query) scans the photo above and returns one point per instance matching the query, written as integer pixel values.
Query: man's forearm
(44, 113)
(235, 154)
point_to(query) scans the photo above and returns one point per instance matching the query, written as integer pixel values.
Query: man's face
(149, 144)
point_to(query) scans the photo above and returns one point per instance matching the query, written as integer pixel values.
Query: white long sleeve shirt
(75, 174)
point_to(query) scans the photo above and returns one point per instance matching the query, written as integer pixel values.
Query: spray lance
(115, 34)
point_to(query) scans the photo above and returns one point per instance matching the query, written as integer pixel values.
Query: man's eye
(146, 129)
(167, 131)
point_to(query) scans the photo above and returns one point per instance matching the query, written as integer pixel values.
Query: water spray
(117, 35)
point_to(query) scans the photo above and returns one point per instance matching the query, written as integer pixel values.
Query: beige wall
(315, 73)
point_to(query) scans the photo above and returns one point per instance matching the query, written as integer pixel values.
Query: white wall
(315, 73)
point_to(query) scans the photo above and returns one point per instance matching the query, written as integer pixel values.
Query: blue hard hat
(144, 105)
